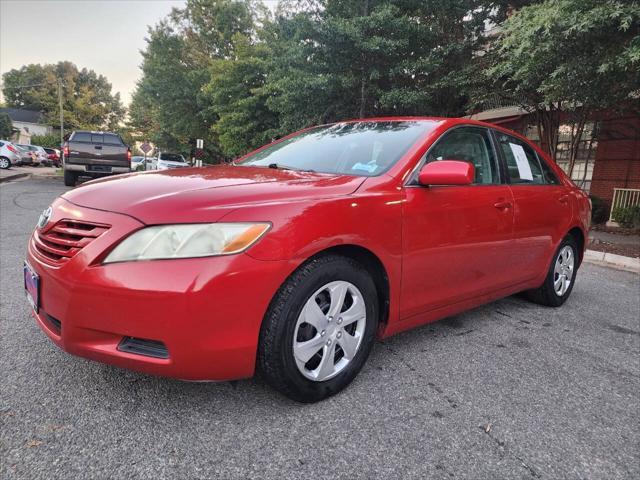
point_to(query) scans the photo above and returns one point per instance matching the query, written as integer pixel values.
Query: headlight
(187, 241)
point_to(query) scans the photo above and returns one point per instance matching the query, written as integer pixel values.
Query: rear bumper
(207, 312)
(73, 167)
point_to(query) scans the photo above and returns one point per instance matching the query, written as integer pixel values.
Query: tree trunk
(363, 80)
(548, 122)
(577, 129)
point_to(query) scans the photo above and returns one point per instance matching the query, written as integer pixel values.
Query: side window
(549, 175)
(468, 144)
(522, 161)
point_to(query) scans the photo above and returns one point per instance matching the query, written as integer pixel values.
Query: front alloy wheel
(329, 330)
(319, 328)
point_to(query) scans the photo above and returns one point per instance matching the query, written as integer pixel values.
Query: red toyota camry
(295, 258)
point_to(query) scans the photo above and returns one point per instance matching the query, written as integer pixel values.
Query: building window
(582, 172)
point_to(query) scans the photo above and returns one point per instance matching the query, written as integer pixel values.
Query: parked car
(9, 155)
(26, 156)
(53, 155)
(37, 154)
(138, 163)
(94, 154)
(168, 161)
(295, 258)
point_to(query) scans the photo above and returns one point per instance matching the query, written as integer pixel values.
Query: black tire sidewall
(70, 178)
(298, 386)
(554, 298)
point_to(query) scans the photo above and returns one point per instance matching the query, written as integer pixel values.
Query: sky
(103, 35)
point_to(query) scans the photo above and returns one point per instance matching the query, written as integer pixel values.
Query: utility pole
(61, 112)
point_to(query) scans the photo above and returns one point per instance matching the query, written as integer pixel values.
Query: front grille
(65, 239)
(140, 346)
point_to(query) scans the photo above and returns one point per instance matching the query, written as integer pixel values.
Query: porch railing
(624, 197)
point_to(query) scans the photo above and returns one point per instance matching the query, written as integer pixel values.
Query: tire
(5, 163)
(70, 178)
(283, 330)
(551, 293)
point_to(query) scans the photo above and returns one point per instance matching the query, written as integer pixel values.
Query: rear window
(81, 137)
(171, 157)
(112, 139)
(522, 162)
(549, 176)
(96, 138)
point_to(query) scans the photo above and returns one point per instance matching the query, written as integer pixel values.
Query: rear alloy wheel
(561, 276)
(4, 163)
(319, 329)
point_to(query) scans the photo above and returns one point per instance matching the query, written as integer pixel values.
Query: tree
(87, 98)
(239, 98)
(169, 105)
(6, 127)
(345, 59)
(567, 57)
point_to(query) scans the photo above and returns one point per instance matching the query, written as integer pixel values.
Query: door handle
(502, 205)
(97, 147)
(564, 199)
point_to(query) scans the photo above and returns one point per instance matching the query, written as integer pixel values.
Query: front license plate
(32, 286)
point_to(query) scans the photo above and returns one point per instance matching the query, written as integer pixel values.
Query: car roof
(444, 122)
(94, 131)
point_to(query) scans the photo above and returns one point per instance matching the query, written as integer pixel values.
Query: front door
(457, 240)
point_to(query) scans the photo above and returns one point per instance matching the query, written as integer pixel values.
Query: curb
(14, 177)
(612, 260)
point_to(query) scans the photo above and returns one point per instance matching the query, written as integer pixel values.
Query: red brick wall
(617, 157)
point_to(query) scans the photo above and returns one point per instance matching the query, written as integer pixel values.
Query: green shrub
(628, 217)
(599, 210)
(47, 141)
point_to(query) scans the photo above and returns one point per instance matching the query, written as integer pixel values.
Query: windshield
(361, 148)
(172, 157)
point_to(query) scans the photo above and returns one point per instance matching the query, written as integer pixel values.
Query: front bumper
(206, 311)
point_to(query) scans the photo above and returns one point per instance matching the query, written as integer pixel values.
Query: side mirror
(447, 172)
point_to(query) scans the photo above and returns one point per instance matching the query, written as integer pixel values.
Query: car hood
(205, 194)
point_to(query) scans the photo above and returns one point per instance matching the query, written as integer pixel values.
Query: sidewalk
(614, 249)
(15, 173)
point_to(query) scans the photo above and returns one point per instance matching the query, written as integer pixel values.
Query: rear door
(457, 240)
(542, 209)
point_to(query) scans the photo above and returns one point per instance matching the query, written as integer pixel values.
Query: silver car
(38, 154)
(9, 154)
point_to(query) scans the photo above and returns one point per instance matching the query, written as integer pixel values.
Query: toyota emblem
(45, 217)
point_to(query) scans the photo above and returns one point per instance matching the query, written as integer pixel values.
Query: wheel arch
(579, 237)
(374, 266)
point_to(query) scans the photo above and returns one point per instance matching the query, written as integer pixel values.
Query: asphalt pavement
(508, 390)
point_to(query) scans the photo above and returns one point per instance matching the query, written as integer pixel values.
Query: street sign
(199, 143)
(145, 147)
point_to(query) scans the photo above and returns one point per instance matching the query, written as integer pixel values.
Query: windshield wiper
(279, 167)
(284, 167)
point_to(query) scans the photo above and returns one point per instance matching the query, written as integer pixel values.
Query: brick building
(608, 156)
